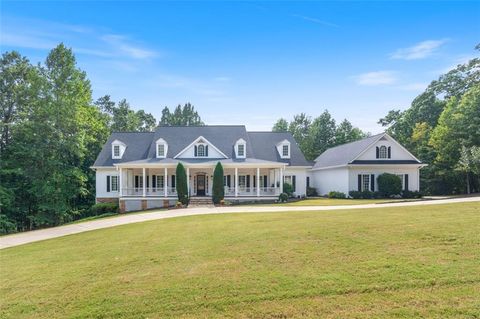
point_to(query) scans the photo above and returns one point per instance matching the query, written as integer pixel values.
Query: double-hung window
(114, 183)
(365, 182)
(116, 150)
(285, 150)
(161, 150)
(241, 150)
(160, 181)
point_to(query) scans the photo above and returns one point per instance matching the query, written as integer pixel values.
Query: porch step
(200, 201)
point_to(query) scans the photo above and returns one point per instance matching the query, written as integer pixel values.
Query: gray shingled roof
(261, 146)
(264, 146)
(345, 153)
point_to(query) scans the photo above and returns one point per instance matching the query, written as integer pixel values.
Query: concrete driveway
(38, 235)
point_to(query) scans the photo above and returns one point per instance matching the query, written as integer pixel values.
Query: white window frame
(160, 181)
(241, 142)
(121, 149)
(241, 150)
(161, 142)
(281, 145)
(112, 183)
(369, 183)
(288, 179)
(286, 147)
(203, 148)
(383, 152)
(116, 149)
(402, 178)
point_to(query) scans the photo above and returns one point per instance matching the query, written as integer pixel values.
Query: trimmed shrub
(355, 194)
(389, 184)
(288, 189)
(182, 188)
(411, 194)
(103, 208)
(218, 191)
(334, 194)
(312, 192)
(362, 195)
(283, 197)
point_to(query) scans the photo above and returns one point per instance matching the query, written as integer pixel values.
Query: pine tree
(217, 189)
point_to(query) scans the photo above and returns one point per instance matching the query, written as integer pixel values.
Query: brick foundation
(166, 203)
(144, 204)
(122, 206)
(107, 200)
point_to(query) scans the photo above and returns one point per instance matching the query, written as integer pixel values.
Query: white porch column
(188, 181)
(281, 180)
(236, 181)
(258, 182)
(144, 182)
(165, 182)
(120, 182)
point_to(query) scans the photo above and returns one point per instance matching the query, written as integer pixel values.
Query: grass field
(392, 262)
(337, 202)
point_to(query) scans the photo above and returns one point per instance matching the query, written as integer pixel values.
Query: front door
(200, 185)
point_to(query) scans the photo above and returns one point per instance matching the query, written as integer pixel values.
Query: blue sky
(253, 62)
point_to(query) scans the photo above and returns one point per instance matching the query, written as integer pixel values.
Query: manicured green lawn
(394, 262)
(337, 202)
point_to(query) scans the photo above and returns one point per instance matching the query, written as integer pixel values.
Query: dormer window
(201, 150)
(283, 149)
(162, 148)
(384, 152)
(118, 148)
(241, 148)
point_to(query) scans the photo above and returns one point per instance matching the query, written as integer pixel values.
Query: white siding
(190, 153)
(300, 179)
(413, 175)
(327, 180)
(101, 183)
(398, 153)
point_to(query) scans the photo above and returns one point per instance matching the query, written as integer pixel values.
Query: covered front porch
(241, 180)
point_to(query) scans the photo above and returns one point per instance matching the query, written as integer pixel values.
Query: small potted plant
(178, 204)
(222, 202)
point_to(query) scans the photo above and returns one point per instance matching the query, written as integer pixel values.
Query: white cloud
(376, 78)
(315, 20)
(420, 50)
(45, 35)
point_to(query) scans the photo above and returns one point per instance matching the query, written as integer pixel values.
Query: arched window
(201, 150)
(383, 152)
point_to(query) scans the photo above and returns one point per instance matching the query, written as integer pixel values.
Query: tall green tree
(321, 135)
(181, 185)
(345, 132)
(280, 126)
(181, 116)
(217, 187)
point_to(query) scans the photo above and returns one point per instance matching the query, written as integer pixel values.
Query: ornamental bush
(288, 189)
(334, 194)
(312, 192)
(218, 191)
(389, 184)
(102, 208)
(283, 197)
(182, 189)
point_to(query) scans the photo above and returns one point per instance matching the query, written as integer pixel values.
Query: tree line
(51, 133)
(442, 129)
(316, 135)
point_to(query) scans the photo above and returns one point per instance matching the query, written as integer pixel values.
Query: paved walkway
(37, 235)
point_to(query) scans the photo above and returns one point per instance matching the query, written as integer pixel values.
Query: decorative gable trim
(387, 137)
(197, 140)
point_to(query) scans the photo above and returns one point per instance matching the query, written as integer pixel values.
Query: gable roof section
(223, 137)
(264, 146)
(137, 145)
(348, 153)
(197, 140)
(260, 146)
